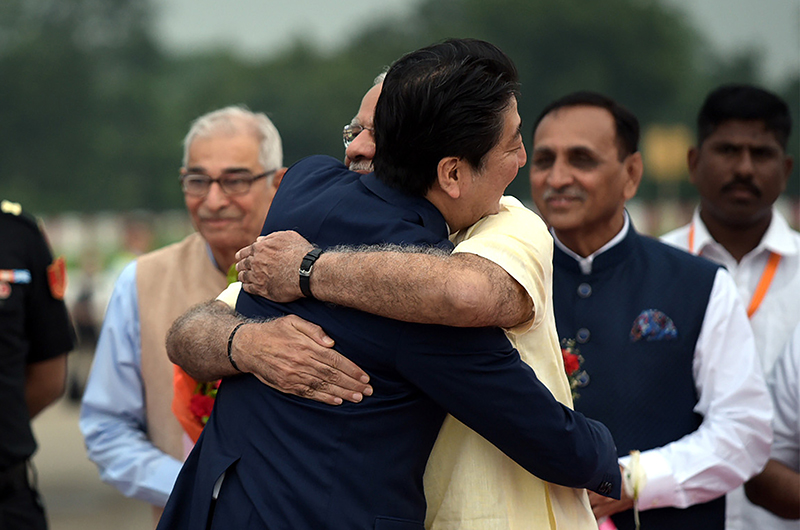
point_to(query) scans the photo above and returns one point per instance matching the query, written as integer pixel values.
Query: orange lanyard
(763, 284)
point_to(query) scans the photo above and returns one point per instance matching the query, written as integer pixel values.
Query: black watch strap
(306, 266)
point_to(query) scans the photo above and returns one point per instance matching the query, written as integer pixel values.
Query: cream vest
(169, 281)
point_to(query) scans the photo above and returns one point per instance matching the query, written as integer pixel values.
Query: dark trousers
(20, 505)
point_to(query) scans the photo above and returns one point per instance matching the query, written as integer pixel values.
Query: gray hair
(232, 120)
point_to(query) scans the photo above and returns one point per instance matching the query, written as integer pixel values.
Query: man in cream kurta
(469, 483)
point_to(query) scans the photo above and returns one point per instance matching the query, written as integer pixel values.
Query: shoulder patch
(57, 278)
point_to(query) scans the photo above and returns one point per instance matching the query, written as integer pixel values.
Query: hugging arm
(289, 354)
(477, 376)
(461, 289)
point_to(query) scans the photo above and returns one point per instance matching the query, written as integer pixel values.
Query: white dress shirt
(784, 385)
(779, 312)
(113, 417)
(772, 323)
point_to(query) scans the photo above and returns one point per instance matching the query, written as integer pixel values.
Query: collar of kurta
(608, 259)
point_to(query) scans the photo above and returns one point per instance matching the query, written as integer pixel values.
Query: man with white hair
(232, 166)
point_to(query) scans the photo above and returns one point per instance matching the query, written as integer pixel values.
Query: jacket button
(583, 335)
(584, 290)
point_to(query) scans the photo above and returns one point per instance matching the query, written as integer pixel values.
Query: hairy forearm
(404, 283)
(288, 354)
(776, 489)
(197, 340)
(461, 289)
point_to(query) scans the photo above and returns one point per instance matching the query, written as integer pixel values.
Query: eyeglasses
(197, 184)
(350, 132)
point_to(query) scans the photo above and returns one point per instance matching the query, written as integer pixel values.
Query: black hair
(444, 100)
(625, 122)
(744, 102)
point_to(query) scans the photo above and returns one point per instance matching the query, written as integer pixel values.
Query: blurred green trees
(92, 112)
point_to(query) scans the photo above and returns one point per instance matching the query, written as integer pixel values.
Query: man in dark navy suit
(447, 145)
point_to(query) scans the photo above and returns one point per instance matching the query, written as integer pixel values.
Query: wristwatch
(306, 266)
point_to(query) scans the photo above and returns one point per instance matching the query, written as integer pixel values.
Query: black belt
(13, 479)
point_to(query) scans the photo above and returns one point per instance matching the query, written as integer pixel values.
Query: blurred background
(96, 96)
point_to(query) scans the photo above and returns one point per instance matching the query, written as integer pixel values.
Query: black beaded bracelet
(230, 345)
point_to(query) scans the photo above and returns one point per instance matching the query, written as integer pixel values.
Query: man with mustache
(740, 167)
(669, 360)
(232, 165)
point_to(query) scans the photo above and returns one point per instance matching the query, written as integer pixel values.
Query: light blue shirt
(113, 416)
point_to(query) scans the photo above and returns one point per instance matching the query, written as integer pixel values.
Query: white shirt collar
(779, 237)
(586, 263)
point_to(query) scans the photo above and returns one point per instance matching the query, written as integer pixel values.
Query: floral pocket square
(652, 324)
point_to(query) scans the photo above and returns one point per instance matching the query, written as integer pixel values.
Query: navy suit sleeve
(492, 391)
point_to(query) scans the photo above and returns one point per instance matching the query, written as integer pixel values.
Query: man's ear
(691, 162)
(448, 176)
(278, 177)
(634, 167)
(788, 164)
